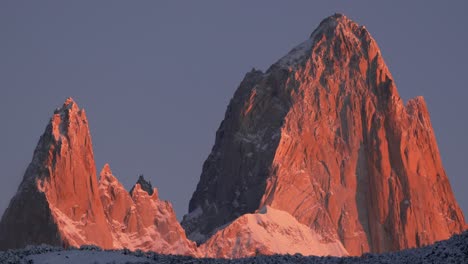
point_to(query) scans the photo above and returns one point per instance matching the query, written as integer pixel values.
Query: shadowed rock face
(58, 202)
(324, 136)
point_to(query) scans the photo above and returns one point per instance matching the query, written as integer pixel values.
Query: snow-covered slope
(453, 250)
(267, 232)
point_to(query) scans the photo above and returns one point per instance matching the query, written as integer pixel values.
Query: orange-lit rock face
(324, 135)
(140, 220)
(58, 201)
(118, 205)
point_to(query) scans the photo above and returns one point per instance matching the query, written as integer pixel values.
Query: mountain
(58, 203)
(139, 220)
(324, 136)
(318, 155)
(268, 232)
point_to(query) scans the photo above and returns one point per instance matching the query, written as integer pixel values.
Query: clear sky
(155, 77)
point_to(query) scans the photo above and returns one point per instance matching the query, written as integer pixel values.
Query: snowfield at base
(79, 257)
(269, 231)
(453, 250)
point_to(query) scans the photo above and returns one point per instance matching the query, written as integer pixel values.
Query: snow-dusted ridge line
(453, 250)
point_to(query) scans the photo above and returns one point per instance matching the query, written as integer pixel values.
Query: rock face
(140, 220)
(324, 136)
(268, 232)
(60, 202)
(57, 202)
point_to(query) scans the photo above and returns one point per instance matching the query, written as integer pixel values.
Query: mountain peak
(68, 101)
(324, 136)
(335, 19)
(340, 26)
(60, 189)
(106, 174)
(106, 169)
(335, 34)
(69, 104)
(144, 184)
(67, 116)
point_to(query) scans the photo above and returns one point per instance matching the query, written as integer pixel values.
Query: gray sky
(155, 77)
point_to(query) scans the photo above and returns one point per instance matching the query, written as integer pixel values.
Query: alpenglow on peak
(325, 136)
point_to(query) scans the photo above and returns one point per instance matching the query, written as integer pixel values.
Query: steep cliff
(57, 202)
(325, 136)
(61, 203)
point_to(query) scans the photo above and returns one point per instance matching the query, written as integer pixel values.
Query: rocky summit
(58, 202)
(61, 203)
(324, 136)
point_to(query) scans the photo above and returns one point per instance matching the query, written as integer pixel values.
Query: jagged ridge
(60, 202)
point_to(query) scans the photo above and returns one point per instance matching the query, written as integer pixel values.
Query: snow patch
(297, 54)
(269, 231)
